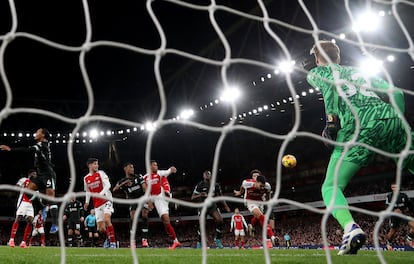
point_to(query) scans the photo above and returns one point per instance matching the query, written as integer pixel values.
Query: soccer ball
(289, 161)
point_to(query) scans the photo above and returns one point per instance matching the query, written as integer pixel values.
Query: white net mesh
(84, 57)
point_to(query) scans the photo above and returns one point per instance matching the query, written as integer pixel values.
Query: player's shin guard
(110, 233)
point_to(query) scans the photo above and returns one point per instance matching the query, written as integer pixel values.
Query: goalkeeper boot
(218, 243)
(198, 245)
(352, 241)
(54, 229)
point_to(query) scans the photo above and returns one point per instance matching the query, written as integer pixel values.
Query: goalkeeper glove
(331, 128)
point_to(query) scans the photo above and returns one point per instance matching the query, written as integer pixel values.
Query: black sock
(54, 213)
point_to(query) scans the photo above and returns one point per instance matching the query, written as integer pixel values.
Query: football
(289, 161)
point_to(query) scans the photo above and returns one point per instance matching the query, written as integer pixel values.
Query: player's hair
(91, 160)
(45, 132)
(126, 164)
(331, 49)
(255, 171)
(261, 178)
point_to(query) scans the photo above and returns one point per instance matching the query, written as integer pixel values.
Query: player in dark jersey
(74, 214)
(200, 193)
(355, 112)
(46, 176)
(134, 186)
(402, 206)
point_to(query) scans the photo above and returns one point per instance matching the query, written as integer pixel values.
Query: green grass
(189, 256)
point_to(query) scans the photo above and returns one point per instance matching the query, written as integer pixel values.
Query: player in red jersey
(24, 211)
(38, 229)
(157, 181)
(237, 223)
(97, 182)
(255, 190)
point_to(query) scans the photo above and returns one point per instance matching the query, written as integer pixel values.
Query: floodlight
(230, 94)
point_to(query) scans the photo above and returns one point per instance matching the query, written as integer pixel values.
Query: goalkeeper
(354, 99)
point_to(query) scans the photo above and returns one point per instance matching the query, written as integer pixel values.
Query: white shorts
(239, 232)
(25, 209)
(161, 205)
(100, 211)
(251, 206)
(39, 230)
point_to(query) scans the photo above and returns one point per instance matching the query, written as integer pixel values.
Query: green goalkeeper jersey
(358, 89)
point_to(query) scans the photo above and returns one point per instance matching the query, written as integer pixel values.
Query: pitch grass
(189, 256)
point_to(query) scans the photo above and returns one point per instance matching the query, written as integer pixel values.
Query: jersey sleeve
(244, 222)
(106, 183)
(247, 184)
(397, 93)
(164, 173)
(87, 191)
(322, 78)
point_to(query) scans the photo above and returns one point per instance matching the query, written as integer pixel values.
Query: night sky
(124, 86)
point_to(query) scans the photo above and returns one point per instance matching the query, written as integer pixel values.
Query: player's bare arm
(5, 147)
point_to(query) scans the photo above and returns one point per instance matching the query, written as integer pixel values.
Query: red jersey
(97, 182)
(237, 221)
(158, 181)
(23, 182)
(251, 193)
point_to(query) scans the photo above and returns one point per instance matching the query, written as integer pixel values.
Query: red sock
(170, 231)
(261, 219)
(236, 243)
(27, 232)
(15, 226)
(253, 221)
(110, 233)
(242, 243)
(42, 239)
(270, 231)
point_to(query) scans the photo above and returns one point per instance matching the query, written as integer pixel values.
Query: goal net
(203, 85)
